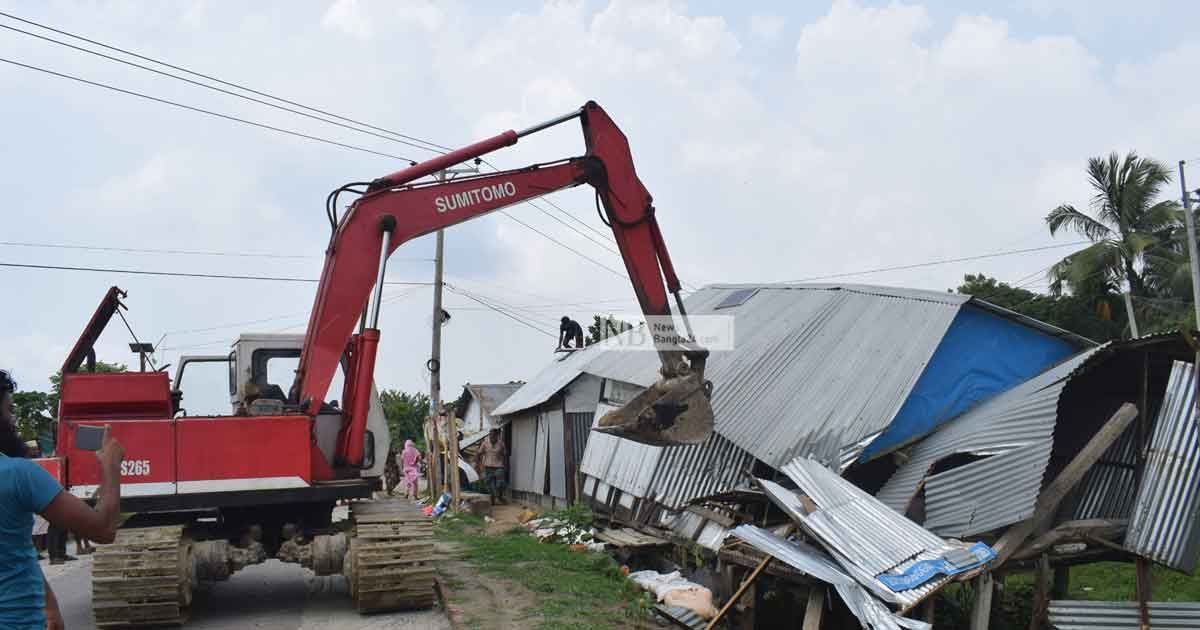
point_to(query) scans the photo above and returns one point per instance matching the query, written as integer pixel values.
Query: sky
(781, 141)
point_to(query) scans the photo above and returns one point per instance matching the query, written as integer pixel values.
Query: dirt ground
(487, 603)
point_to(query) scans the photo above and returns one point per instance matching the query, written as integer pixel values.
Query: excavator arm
(395, 210)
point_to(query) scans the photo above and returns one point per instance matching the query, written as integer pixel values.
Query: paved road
(270, 596)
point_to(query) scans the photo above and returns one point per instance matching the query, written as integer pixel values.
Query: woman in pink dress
(410, 460)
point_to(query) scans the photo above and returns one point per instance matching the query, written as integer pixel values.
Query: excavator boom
(394, 210)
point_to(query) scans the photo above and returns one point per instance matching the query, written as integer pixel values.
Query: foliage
(604, 327)
(1130, 230)
(406, 414)
(33, 413)
(1097, 315)
(36, 411)
(578, 515)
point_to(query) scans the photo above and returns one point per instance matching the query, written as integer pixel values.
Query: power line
(186, 252)
(493, 307)
(211, 87)
(221, 81)
(945, 261)
(180, 274)
(403, 139)
(564, 245)
(297, 134)
(203, 111)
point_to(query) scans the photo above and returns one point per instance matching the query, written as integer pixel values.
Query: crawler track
(144, 578)
(389, 565)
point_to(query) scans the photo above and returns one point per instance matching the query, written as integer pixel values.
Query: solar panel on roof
(737, 297)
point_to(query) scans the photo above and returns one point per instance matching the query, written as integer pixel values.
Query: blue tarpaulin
(981, 355)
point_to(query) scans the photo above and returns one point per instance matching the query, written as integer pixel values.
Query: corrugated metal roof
(671, 476)
(871, 612)
(1019, 425)
(491, 396)
(1110, 486)
(1164, 523)
(778, 394)
(1088, 615)
(555, 376)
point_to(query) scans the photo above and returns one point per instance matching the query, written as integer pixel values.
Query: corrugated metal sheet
(682, 617)
(1088, 615)
(872, 535)
(551, 380)
(671, 476)
(1109, 487)
(870, 611)
(491, 396)
(1164, 522)
(864, 535)
(580, 425)
(540, 450)
(521, 452)
(556, 445)
(982, 496)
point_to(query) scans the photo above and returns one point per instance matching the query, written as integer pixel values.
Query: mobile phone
(89, 438)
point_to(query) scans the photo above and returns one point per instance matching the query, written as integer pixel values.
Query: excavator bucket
(671, 412)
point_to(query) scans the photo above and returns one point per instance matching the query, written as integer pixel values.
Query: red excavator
(213, 494)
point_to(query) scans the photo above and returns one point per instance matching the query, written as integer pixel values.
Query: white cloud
(893, 134)
(767, 27)
(348, 17)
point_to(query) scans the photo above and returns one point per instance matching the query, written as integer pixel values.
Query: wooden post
(1062, 583)
(452, 459)
(815, 608)
(1144, 588)
(1041, 594)
(930, 609)
(981, 614)
(1067, 479)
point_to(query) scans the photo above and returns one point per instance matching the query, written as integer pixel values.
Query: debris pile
(673, 589)
(563, 531)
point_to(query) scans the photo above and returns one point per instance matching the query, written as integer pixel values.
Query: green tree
(1126, 225)
(406, 414)
(1096, 315)
(604, 327)
(33, 413)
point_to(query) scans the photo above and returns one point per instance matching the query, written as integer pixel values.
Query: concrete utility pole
(436, 410)
(1190, 222)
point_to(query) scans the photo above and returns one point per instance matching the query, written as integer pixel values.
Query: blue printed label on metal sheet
(925, 570)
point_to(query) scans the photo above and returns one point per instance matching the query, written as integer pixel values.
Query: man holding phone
(26, 489)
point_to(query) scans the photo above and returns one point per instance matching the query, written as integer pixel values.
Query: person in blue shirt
(26, 600)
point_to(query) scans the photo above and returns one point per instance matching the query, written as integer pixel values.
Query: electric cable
(202, 110)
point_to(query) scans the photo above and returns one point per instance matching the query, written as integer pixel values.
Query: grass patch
(1099, 581)
(575, 590)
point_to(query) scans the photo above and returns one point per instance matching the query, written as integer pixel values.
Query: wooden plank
(981, 614)
(1066, 480)
(814, 609)
(1073, 531)
(1144, 588)
(1041, 594)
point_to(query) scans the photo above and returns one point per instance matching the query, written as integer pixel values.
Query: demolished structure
(849, 410)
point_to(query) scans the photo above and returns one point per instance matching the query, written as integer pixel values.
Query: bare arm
(54, 620)
(68, 512)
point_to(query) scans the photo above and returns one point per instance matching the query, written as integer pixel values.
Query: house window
(737, 297)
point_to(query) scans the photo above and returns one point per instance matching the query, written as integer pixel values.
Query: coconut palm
(1125, 225)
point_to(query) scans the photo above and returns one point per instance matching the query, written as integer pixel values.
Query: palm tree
(1125, 226)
